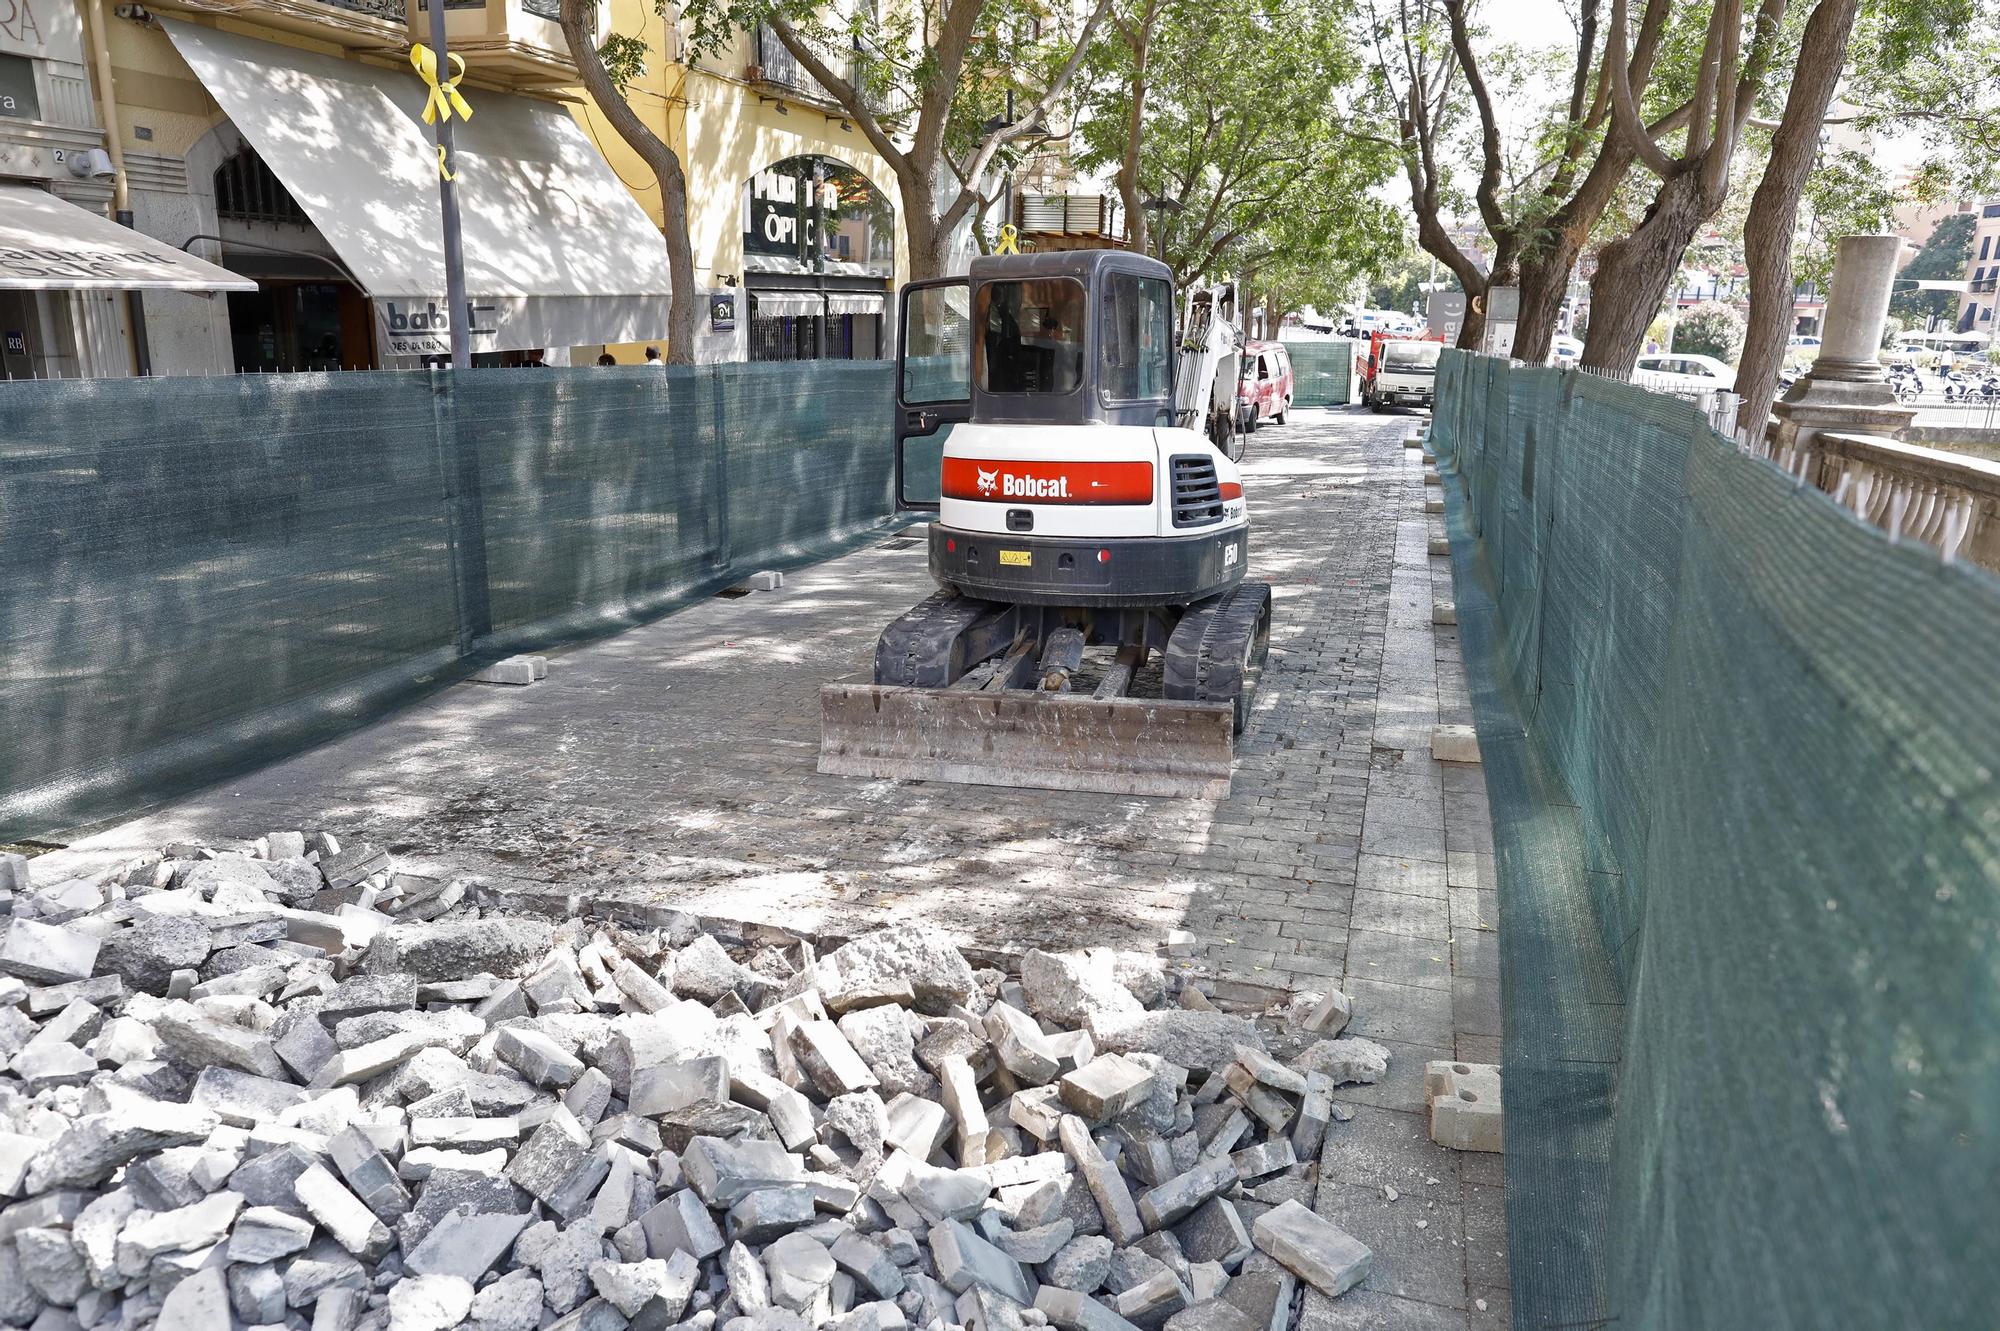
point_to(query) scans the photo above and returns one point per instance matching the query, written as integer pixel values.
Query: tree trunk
(1128, 167)
(579, 21)
(1633, 272)
(930, 239)
(1473, 331)
(1774, 209)
(1544, 284)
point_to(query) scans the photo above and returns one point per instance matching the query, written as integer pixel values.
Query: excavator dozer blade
(1017, 737)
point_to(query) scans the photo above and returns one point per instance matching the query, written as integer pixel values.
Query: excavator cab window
(1030, 336)
(1136, 338)
(933, 383)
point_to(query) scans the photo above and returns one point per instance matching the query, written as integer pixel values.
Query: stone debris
(282, 1083)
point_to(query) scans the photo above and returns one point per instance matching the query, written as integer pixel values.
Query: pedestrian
(607, 359)
(653, 361)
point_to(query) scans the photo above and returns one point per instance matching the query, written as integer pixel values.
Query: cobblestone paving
(675, 763)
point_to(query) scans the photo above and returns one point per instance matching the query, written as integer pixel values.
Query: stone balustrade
(1946, 500)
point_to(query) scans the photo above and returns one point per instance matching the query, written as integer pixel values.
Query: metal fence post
(464, 511)
(712, 374)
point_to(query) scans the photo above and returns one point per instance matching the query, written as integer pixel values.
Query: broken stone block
(200, 1042)
(868, 1262)
(763, 1215)
(148, 953)
(1153, 1300)
(1197, 1040)
(1329, 1017)
(1081, 1265)
(197, 1303)
(46, 953)
(680, 1223)
(1071, 1311)
(800, 1271)
(1444, 612)
(1254, 1162)
(535, 1056)
(825, 1056)
(342, 1214)
(1465, 1105)
(656, 1290)
(1106, 1087)
(511, 670)
(1107, 1186)
(663, 1087)
(453, 949)
(1455, 744)
(1271, 1108)
(1033, 1246)
(961, 1097)
(1020, 1045)
(1350, 1059)
(265, 1234)
(1215, 1233)
(901, 959)
(96, 1145)
(1315, 1113)
(1073, 988)
(964, 1259)
(1211, 1314)
(1315, 1250)
(429, 1302)
(885, 1042)
(257, 1293)
(916, 1125)
(1179, 1197)
(721, 1173)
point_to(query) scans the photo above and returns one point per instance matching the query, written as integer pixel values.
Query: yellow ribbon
(444, 170)
(1007, 238)
(445, 99)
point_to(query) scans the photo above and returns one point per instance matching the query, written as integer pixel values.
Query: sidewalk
(675, 763)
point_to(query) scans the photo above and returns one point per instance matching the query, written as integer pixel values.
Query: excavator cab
(1075, 337)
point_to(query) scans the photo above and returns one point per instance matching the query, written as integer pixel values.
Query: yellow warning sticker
(1021, 557)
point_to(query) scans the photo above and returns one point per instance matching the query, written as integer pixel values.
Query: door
(933, 384)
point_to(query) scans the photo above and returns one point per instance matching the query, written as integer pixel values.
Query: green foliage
(624, 59)
(1398, 283)
(1710, 329)
(1846, 194)
(1243, 127)
(1942, 258)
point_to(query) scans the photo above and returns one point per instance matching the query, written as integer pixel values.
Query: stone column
(1846, 392)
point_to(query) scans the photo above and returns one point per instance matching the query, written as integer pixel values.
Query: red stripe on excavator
(1003, 482)
(1231, 490)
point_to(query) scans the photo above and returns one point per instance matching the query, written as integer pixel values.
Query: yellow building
(792, 216)
(284, 192)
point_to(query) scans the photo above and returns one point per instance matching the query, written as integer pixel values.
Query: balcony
(776, 69)
(514, 43)
(1069, 221)
(354, 24)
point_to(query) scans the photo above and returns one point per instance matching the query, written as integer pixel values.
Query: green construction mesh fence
(202, 573)
(1740, 751)
(1321, 372)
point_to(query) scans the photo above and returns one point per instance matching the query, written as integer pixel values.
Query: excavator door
(933, 383)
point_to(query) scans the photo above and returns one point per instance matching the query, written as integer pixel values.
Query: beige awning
(853, 302)
(557, 251)
(50, 244)
(775, 303)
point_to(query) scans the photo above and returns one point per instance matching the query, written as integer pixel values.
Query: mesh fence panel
(1320, 372)
(1748, 848)
(204, 573)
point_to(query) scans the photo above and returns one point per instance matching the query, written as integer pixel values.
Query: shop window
(246, 190)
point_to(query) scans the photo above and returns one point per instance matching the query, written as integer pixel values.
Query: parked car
(1565, 350)
(1264, 392)
(1683, 372)
(1810, 343)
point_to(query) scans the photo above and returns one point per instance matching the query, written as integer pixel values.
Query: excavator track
(1217, 651)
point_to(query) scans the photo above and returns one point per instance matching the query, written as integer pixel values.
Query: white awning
(557, 251)
(774, 303)
(50, 244)
(853, 302)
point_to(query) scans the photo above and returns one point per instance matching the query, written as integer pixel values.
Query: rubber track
(1204, 658)
(916, 648)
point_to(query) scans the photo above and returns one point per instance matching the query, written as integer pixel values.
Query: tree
(1243, 129)
(923, 83)
(579, 25)
(1709, 329)
(1398, 283)
(1942, 258)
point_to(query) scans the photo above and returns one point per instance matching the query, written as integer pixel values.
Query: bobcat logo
(989, 481)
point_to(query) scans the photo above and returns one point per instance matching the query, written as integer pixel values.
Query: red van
(1264, 393)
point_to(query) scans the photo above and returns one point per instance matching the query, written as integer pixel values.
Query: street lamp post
(1159, 207)
(454, 254)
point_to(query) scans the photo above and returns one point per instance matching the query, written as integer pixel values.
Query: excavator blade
(1021, 737)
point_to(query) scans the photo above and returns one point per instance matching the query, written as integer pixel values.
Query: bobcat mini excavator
(1087, 548)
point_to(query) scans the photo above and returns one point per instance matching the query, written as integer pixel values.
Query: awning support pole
(121, 195)
(454, 256)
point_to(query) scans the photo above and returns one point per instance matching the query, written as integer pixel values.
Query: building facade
(282, 190)
(793, 218)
